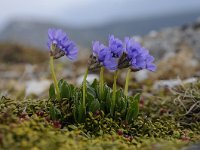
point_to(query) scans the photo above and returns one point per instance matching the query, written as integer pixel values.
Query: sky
(90, 12)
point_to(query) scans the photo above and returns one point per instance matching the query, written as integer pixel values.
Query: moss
(35, 133)
(163, 123)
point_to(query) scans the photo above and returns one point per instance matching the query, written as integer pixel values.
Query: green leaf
(119, 96)
(106, 91)
(72, 90)
(94, 106)
(108, 98)
(60, 83)
(65, 90)
(81, 114)
(91, 90)
(95, 84)
(90, 95)
(90, 99)
(133, 108)
(54, 113)
(123, 107)
(75, 112)
(52, 94)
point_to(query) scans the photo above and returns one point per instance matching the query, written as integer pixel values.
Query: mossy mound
(167, 120)
(35, 133)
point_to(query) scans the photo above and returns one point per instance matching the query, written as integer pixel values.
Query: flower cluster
(103, 56)
(118, 55)
(137, 56)
(60, 44)
(115, 46)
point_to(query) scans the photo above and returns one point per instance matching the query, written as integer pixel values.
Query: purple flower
(131, 48)
(61, 43)
(115, 46)
(104, 56)
(70, 49)
(138, 57)
(56, 37)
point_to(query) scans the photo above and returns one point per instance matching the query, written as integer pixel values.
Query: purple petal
(72, 57)
(60, 39)
(110, 64)
(151, 67)
(95, 47)
(51, 33)
(115, 46)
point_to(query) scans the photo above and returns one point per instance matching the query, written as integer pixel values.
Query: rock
(172, 83)
(153, 33)
(36, 87)
(141, 75)
(190, 80)
(166, 83)
(172, 39)
(182, 65)
(10, 74)
(161, 43)
(137, 38)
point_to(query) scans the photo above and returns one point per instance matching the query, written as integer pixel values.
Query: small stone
(172, 83)
(36, 87)
(141, 75)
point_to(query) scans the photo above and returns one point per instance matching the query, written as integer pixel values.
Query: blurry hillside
(18, 54)
(34, 33)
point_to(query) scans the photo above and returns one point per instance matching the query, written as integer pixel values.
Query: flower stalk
(84, 89)
(51, 62)
(114, 93)
(127, 82)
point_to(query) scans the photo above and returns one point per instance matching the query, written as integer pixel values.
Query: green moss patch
(167, 120)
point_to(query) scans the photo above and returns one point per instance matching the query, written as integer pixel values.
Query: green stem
(101, 82)
(84, 88)
(127, 83)
(54, 77)
(114, 93)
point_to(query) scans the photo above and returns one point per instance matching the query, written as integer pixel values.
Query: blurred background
(26, 22)
(169, 29)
